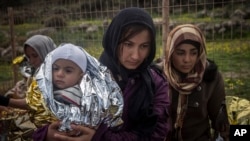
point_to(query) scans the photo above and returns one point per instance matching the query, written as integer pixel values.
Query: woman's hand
(53, 130)
(83, 134)
(79, 133)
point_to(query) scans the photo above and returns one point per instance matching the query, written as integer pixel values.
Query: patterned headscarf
(183, 34)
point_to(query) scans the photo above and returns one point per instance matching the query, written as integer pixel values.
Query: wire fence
(225, 23)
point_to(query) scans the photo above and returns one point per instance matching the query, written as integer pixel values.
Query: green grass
(234, 53)
(6, 72)
(233, 58)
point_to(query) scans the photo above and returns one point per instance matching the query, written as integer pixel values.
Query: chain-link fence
(226, 24)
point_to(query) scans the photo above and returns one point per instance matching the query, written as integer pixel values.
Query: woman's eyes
(180, 53)
(183, 53)
(126, 44)
(145, 46)
(194, 53)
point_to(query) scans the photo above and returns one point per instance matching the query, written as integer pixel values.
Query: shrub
(55, 21)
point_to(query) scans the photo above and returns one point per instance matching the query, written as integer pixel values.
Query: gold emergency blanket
(40, 115)
(238, 110)
(15, 125)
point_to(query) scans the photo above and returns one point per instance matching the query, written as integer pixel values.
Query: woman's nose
(135, 54)
(187, 58)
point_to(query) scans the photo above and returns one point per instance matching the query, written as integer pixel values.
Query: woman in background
(196, 87)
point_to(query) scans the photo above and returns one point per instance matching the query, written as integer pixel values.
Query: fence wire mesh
(226, 24)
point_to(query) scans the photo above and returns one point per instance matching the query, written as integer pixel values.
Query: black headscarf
(140, 104)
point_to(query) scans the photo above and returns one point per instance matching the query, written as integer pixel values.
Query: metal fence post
(12, 39)
(165, 23)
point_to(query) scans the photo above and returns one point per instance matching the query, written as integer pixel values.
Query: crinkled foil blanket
(15, 125)
(101, 101)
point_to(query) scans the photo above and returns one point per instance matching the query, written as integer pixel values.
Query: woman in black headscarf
(129, 49)
(145, 91)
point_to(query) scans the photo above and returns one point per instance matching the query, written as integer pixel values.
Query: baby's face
(65, 73)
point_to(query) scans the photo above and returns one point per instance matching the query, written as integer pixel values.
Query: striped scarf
(71, 95)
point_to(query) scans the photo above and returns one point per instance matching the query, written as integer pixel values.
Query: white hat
(70, 52)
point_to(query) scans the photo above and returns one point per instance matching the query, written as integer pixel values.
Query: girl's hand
(5, 111)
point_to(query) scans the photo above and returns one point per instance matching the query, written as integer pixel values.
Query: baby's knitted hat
(70, 52)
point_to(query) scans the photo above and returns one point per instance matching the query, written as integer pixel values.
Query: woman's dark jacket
(205, 103)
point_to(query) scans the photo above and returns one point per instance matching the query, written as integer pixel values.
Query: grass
(232, 58)
(230, 53)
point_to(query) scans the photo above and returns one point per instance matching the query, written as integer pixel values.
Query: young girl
(35, 50)
(196, 87)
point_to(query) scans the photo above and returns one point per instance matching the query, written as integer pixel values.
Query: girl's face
(33, 57)
(133, 51)
(65, 73)
(184, 58)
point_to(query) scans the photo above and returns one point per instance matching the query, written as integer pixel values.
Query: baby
(68, 67)
(77, 89)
